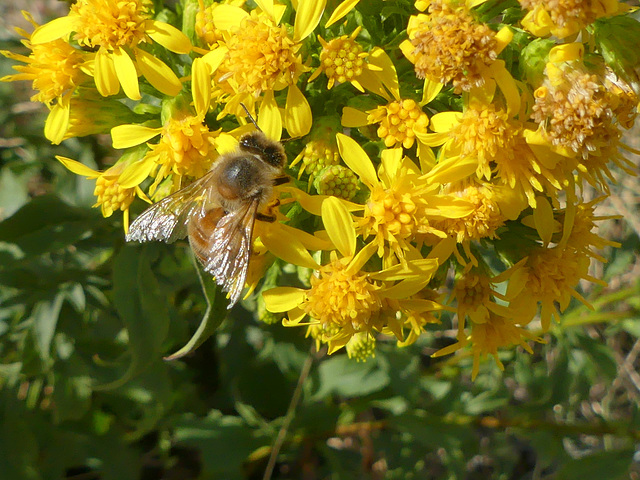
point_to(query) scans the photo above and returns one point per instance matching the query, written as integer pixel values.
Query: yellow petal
(543, 219)
(135, 173)
(507, 85)
(228, 17)
(283, 299)
(352, 117)
(215, 57)
(357, 160)
(267, 7)
(200, 86)
(125, 136)
(126, 72)
(503, 38)
(566, 52)
(158, 73)
(413, 269)
(168, 36)
(57, 28)
(308, 15)
(311, 242)
(339, 225)
(57, 123)
(294, 318)
(297, 113)
(406, 288)
(226, 143)
(387, 74)
(105, 74)
(269, 117)
(340, 11)
(361, 258)
(452, 170)
(288, 249)
(445, 121)
(430, 90)
(78, 168)
(407, 49)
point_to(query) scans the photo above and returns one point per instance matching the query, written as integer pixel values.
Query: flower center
(339, 298)
(399, 121)
(472, 291)
(111, 196)
(390, 215)
(337, 181)
(450, 46)
(261, 57)
(55, 68)
(342, 59)
(110, 23)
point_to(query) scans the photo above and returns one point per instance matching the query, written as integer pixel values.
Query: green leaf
(45, 318)
(611, 465)
(46, 224)
(341, 375)
(142, 307)
(214, 315)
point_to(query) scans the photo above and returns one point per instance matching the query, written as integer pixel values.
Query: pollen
(450, 46)
(111, 196)
(389, 215)
(111, 23)
(261, 57)
(399, 121)
(337, 181)
(185, 147)
(342, 59)
(481, 223)
(338, 298)
(574, 110)
(484, 132)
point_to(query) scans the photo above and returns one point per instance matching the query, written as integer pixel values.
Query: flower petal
(125, 136)
(430, 90)
(57, 123)
(543, 219)
(228, 17)
(357, 160)
(158, 73)
(215, 57)
(307, 18)
(297, 113)
(126, 72)
(283, 299)
(289, 249)
(340, 11)
(53, 30)
(168, 36)
(339, 225)
(200, 86)
(105, 74)
(78, 168)
(135, 173)
(269, 117)
(387, 74)
(352, 117)
(452, 170)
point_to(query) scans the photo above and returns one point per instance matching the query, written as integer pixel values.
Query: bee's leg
(265, 218)
(281, 180)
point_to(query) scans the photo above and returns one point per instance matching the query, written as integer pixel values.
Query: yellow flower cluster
(422, 149)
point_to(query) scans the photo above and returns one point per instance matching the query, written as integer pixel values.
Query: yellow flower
(345, 302)
(492, 325)
(111, 195)
(576, 111)
(186, 147)
(55, 69)
(566, 17)
(402, 201)
(205, 27)
(115, 30)
(257, 58)
(344, 60)
(448, 45)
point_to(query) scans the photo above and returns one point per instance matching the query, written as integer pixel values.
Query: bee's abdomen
(201, 231)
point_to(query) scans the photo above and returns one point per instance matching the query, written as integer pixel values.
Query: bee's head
(269, 151)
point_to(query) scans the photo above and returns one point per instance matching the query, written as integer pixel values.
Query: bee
(217, 212)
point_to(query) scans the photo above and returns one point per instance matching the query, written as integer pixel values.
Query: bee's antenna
(250, 116)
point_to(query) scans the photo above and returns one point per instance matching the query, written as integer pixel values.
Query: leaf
(45, 318)
(611, 465)
(214, 315)
(142, 308)
(341, 375)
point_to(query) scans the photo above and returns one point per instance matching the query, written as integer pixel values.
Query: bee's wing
(228, 259)
(167, 220)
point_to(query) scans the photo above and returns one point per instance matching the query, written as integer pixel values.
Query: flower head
(115, 29)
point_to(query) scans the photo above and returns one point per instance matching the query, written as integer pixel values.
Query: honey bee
(217, 212)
